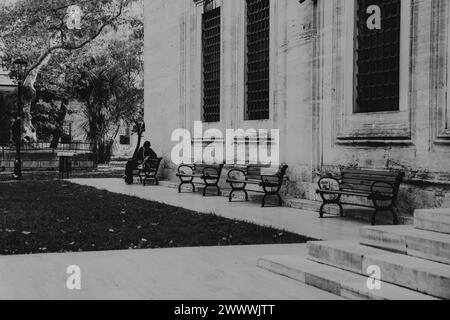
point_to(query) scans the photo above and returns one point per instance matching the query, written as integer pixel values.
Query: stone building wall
(310, 90)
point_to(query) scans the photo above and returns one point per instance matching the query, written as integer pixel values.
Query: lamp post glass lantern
(18, 74)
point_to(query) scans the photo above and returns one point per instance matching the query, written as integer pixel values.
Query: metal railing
(74, 146)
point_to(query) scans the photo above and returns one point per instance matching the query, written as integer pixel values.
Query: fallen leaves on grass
(69, 218)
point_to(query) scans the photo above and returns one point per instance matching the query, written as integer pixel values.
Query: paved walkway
(294, 220)
(216, 273)
(181, 273)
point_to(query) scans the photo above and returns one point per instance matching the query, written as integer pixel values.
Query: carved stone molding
(363, 127)
(440, 70)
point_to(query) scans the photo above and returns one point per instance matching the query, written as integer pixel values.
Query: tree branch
(62, 46)
(100, 30)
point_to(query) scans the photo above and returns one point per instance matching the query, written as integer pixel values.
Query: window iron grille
(258, 58)
(211, 65)
(378, 58)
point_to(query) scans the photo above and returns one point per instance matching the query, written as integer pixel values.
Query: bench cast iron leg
(321, 209)
(230, 196)
(374, 217)
(234, 190)
(211, 185)
(268, 194)
(263, 204)
(395, 213)
(186, 182)
(341, 208)
(333, 201)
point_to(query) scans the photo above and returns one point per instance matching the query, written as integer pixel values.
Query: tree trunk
(59, 132)
(28, 95)
(138, 146)
(55, 140)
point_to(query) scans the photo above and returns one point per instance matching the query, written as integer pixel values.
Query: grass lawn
(58, 216)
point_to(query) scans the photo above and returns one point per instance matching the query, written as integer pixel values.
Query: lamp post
(18, 74)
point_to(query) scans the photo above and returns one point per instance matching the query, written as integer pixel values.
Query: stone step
(342, 283)
(407, 240)
(428, 277)
(354, 212)
(437, 220)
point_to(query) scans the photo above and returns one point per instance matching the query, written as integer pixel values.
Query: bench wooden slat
(344, 192)
(254, 181)
(253, 172)
(372, 172)
(369, 178)
(362, 182)
(367, 175)
(190, 175)
(253, 177)
(366, 187)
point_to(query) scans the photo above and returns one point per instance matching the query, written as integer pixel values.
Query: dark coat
(143, 154)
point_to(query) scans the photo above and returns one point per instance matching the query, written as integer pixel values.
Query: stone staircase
(414, 261)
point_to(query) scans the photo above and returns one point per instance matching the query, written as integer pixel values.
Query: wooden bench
(270, 182)
(148, 171)
(381, 187)
(209, 174)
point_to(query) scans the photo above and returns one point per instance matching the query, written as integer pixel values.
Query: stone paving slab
(215, 273)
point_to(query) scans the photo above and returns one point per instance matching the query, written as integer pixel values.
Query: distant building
(341, 94)
(124, 144)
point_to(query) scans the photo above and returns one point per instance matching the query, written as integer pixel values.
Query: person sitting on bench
(144, 154)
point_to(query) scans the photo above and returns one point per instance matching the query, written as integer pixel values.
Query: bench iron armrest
(271, 179)
(185, 166)
(319, 183)
(241, 172)
(382, 195)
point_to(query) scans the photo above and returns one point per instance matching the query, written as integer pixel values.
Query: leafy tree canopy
(33, 29)
(40, 32)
